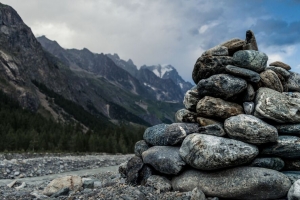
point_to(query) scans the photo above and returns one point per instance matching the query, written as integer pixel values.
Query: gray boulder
(191, 98)
(294, 192)
(270, 80)
(280, 71)
(159, 183)
(276, 106)
(246, 74)
(270, 163)
(286, 147)
(294, 82)
(208, 152)
(221, 85)
(251, 59)
(164, 159)
(168, 135)
(216, 107)
(213, 129)
(289, 129)
(197, 194)
(207, 66)
(235, 183)
(250, 129)
(134, 166)
(184, 115)
(140, 147)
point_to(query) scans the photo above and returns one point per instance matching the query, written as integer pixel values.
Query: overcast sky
(172, 32)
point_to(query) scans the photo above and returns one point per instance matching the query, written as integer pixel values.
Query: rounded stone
(159, 183)
(246, 74)
(197, 194)
(213, 129)
(168, 135)
(184, 115)
(235, 183)
(250, 129)
(294, 82)
(280, 71)
(289, 129)
(294, 192)
(292, 175)
(234, 45)
(140, 147)
(207, 66)
(221, 85)
(270, 163)
(248, 108)
(276, 106)
(208, 152)
(270, 80)
(280, 64)
(251, 59)
(134, 165)
(164, 159)
(286, 147)
(191, 98)
(216, 107)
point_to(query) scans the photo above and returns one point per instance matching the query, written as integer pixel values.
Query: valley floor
(38, 170)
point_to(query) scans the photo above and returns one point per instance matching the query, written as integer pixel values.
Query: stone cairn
(238, 136)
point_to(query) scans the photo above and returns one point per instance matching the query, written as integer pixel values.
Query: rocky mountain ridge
(92, 81)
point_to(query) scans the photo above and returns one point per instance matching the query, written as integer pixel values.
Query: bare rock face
(207, 66)
(221, 85)
(250, 41)
(251, 59)
(216, 107)
(294, 82)
(208, 152)
(274, 105)
(236, 183)
(71, 182)
(286, 147)
(270, 80)
(164, 159)
(280, 64)
(250, 129)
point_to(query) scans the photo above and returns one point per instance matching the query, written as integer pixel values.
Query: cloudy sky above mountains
(172, 32)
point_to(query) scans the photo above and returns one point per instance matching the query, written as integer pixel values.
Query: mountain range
(53, 81)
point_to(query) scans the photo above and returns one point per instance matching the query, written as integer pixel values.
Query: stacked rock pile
(237, 137)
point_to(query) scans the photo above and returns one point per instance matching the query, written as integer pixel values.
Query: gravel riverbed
(31, 173)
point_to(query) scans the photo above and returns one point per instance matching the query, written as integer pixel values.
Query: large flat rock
(209, 152)
(236, 183)
(277, 106)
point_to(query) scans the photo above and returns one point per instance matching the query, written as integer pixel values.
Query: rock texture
(250, 129)
(294, 192)
(70, 182)
(270, 163)
(210, 152)
(221, 85)
(236, 183)
(164, 159)
(246, 74)
(270, 79)
(216, 107)
(276, 106)
(280, 64)
(250, 59)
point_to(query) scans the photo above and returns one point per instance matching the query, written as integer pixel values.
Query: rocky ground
(24, 169)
